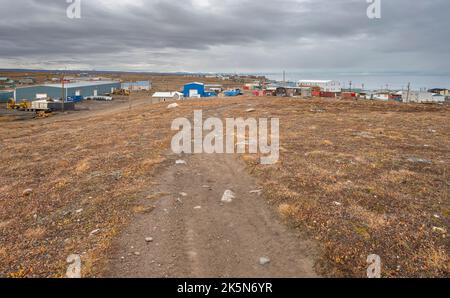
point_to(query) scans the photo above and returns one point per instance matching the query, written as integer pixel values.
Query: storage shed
(194, 89)
(55, 91)
(163, 96)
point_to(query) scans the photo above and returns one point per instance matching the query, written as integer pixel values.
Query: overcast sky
(226, 35)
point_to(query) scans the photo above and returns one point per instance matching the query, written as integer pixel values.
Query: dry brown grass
(344, 177)
(348, 173)
(98, 166)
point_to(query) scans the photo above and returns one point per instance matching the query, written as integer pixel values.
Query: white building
(137, 86)
(325, 85)
(422, 97)
(168, 96)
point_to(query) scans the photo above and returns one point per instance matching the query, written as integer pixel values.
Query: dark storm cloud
(225, 35)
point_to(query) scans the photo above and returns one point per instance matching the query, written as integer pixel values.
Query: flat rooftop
(82, 84)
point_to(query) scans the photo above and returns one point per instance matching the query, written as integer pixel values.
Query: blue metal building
(194, 90)
(5, 95)
(83, 89)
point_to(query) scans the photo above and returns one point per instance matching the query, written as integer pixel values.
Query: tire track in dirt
(196, 235)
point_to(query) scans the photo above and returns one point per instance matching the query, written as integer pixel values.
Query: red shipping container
(327, 94)
(348, 95)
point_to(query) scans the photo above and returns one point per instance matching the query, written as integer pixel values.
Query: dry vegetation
(85, 176)
(360, 177)
(364, 178)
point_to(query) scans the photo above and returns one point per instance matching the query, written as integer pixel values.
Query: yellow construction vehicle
(43, 114)
(13, 105)
(25, 107)
(121, 92)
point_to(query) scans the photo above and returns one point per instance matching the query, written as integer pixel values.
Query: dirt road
(195, 234)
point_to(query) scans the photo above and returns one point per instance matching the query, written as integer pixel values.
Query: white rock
(250, 110)
(337, 203)
(183, 194)
(198, 207)
(79, 211)
(264, 261)
(257, 191)
(439, 230)
(137, 253)
(172, 106)
(419, 160)
(149, 239)
(180, 162)
(94, 232)
(228, 196)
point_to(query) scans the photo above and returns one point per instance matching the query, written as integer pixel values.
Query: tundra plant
(231, 141)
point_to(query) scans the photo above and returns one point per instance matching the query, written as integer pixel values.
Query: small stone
(94, 232)
(250, 110)
(149, 239)
(198, 207)
(183, 194)
(180, 162)
(337, 203)
(179, 201)
(419, 160)
(257, 191)
(439, 230)
(173, 106)
(27, 192)
(79, 211)
(228, 196)
(264, 261)
(137, 253)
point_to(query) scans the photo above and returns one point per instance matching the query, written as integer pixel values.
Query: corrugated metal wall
(29, 93)
(194, 86)
(4, 96)
(89, 90)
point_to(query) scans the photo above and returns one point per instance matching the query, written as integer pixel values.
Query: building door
(95, 92)
(193, 93)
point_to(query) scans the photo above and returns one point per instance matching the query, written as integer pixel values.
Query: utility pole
(350, 84)
(407, 92)
(63, 93)
(284, 77)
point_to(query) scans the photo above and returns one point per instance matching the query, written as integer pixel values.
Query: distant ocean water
(371, 81)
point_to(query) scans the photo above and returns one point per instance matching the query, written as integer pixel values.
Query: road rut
(195, 234)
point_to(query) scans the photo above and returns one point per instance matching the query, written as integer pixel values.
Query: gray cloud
(225, 35)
